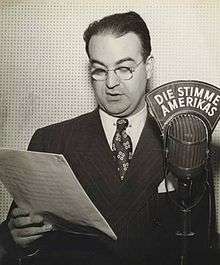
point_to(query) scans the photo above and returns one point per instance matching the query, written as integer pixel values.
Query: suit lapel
(114, 198)
(146, 155)
(99, 158)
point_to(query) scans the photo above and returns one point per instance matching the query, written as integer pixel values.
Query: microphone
(187, 146)
(187, 139)
(187, 111)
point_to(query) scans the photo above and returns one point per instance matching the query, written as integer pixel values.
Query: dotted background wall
(43, 65)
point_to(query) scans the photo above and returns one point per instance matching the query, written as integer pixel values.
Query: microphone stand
(185, 233)
(185, 204)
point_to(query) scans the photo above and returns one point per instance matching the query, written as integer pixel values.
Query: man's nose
(112, 79)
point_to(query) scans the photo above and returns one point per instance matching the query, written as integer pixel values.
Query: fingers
(28, 220)
(22, 218)
(27, 235)
(25, 228)
(19, 212)
(26, 241)
(30, 231)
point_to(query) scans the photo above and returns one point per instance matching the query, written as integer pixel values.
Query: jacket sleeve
(9, 251)
(8, 248)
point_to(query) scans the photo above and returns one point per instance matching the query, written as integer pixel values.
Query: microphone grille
(187, 142)
(187, 128)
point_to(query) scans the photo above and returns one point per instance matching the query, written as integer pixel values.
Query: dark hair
(120, 24)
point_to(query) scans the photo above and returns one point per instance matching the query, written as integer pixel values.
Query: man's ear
(149, 65)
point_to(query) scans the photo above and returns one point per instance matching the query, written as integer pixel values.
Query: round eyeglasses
(122, 72)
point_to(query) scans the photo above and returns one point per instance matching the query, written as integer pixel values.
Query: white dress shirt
(136, 124)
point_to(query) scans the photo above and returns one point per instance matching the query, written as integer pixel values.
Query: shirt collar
(133, 120)
(138, 118)
(136, 124)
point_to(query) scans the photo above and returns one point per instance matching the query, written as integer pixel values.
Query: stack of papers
(44, 183)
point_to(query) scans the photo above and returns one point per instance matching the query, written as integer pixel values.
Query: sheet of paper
(44, 183)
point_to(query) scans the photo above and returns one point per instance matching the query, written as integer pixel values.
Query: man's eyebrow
(92, 61)
(127, 59)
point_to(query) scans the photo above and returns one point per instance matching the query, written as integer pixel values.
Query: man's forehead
(108, 45)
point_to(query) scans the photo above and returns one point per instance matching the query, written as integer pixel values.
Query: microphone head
(187, 145)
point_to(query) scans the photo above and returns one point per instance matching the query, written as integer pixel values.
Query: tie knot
(122, 124)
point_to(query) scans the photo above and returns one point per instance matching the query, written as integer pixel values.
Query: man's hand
(25, 228)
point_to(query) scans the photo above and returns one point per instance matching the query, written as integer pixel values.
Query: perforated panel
(43, 65)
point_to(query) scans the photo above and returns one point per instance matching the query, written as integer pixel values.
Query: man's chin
(119, 112)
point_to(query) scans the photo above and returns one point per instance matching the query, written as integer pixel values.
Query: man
(115, 152)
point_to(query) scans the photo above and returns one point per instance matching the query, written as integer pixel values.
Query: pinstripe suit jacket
(132, 207)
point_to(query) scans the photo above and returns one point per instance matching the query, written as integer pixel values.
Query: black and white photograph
(109, 132)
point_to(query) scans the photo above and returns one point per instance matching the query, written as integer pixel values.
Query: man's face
(119, 97)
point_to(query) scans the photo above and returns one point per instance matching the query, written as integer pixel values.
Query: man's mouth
(114, 96)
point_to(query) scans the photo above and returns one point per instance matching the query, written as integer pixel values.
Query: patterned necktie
(122, 147)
